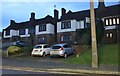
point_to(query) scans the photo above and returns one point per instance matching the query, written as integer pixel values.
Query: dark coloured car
(21, 43)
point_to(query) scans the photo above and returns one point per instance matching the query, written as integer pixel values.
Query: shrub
(12, 50)
(27, 49)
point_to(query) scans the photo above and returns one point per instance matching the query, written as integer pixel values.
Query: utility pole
(93, 36)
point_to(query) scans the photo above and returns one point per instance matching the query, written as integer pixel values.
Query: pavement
(55, 65)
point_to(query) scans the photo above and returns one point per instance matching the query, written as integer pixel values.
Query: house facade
(69, 23)
(34, 31)
(66, 29)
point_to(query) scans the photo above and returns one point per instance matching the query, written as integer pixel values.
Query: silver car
(61, 50)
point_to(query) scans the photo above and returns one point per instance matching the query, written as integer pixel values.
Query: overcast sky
(20, 11)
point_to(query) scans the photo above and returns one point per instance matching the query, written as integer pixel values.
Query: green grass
(107, 54)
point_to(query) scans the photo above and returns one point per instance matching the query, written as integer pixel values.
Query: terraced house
(71, 22)
(35, 31)
(53, 30)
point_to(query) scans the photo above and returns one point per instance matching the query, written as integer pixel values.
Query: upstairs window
(114, 22)
(7, 32)
(110, 20)
(66, 25)
(42, 28)
(118, 22)
(22, 32)
(106, 21)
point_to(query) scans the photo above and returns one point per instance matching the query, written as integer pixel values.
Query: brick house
(70, 22)
(34, 31)
(64, 30)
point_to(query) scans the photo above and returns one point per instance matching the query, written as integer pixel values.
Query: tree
(99, 30)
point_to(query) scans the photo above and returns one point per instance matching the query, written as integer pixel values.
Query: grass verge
(107, 54)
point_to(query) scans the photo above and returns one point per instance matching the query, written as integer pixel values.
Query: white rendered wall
(49, 29)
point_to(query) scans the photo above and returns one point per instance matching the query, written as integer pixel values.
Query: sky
(20, 11)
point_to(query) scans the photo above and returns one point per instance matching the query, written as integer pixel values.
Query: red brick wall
(49, 37)
(73, 35)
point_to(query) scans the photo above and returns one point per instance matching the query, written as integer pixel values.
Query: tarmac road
(6, 72)
(33, 64)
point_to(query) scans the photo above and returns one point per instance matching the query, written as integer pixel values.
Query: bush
(27, 49)
(12, 50)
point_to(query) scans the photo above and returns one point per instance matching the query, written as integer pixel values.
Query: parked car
(62, 50)
(21, 43)
(41, 50)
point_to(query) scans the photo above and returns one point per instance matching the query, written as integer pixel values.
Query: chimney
(101, 4)
(56, 14)
(12, 22)
(63, 11)
(32, 16)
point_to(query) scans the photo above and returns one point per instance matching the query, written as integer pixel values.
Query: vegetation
(85, 35)
(107, 54)
(12, 50)
(27, 49)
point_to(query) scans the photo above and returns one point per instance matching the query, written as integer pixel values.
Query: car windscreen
(36, 47)
(56, 47)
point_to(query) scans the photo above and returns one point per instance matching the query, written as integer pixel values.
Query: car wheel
(44, 54)
(65, 55)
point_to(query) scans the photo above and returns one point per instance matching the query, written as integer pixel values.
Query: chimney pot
(63, 11)
(12, 22)
(56, 14)
(32, 16)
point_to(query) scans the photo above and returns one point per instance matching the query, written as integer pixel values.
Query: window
(61, 38)
(31, 30)
(56, 47)
(46, 46)
(107, 35)
(42, 40)
(36, 47)
(111, 35)
(65, 46)
(106, 22)
(22, 32)
(66, 25)
(66, 38)
(117, 20)
(81, 24)
(110, 20)
(42, 28)
(7, 32)
(114, 22)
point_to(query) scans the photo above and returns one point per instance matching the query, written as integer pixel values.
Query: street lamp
(93, 36)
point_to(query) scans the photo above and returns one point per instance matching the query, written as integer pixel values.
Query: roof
(31, 24)
(109, 11)
(81, 15)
